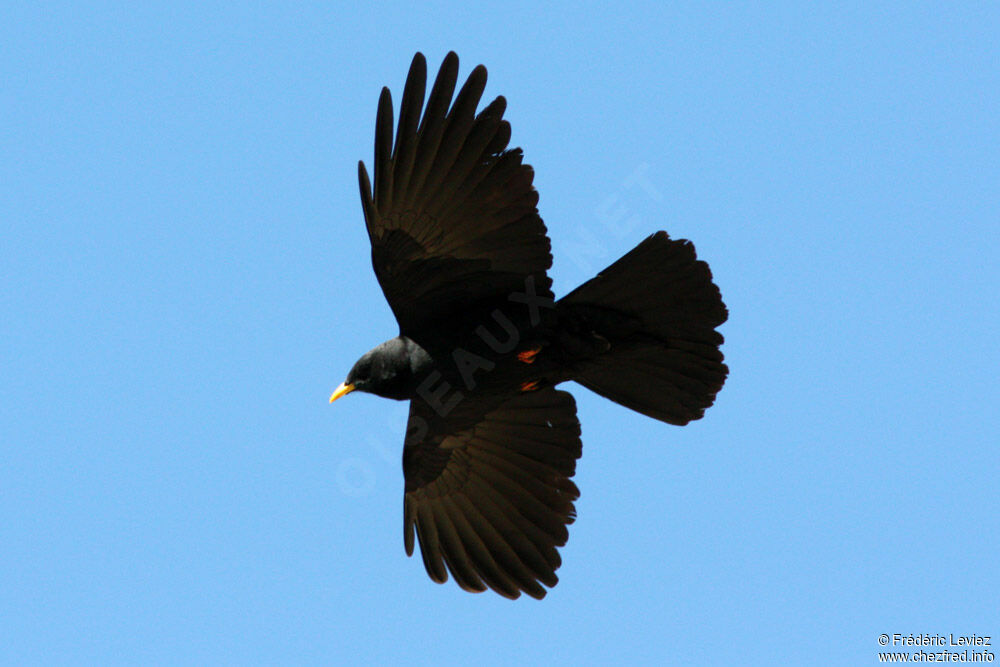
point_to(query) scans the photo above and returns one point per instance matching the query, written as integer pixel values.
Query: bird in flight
(461, 254)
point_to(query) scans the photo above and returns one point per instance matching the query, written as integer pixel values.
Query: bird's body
(499, 356)
(462, 256)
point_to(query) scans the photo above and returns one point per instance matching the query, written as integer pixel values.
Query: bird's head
(386, 371)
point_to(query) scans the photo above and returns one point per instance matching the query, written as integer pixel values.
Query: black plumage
(462, 255)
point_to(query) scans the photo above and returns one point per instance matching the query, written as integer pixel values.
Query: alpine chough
(461, 254)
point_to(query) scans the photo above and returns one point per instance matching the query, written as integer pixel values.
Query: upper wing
(492, 499)
(453, 219)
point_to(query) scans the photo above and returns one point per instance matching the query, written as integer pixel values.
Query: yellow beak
(342, 390)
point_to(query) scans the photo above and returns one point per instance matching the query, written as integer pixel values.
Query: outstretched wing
(452, 219)
(491, 500)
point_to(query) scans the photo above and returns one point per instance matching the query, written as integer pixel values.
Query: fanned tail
(663, 357)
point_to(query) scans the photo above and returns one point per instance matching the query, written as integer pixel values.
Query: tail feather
(667, 365)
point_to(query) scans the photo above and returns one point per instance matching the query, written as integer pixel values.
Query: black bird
(461, 255)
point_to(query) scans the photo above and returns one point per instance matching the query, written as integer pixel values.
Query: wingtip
(418, 68)
(479, 72)
(450, 63)
(363, 180)
(365, 187)
(408, 540)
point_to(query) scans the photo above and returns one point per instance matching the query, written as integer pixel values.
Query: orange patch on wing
(530, 385)
(528, 356)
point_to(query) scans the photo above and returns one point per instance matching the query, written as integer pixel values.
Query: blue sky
(186, 277)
